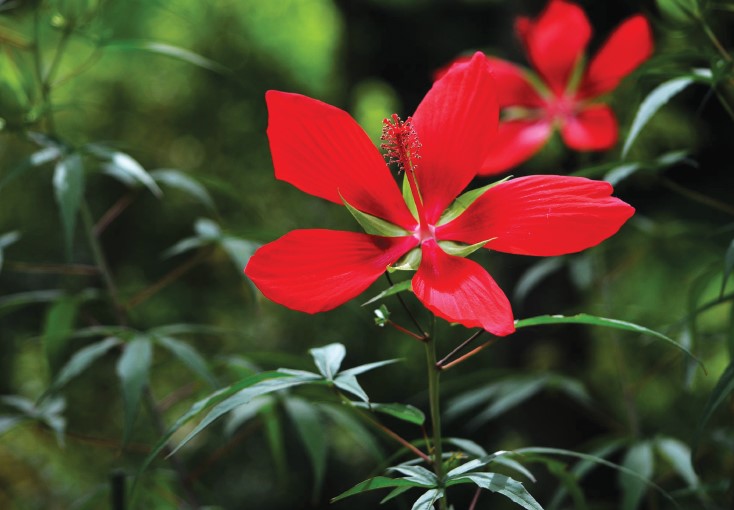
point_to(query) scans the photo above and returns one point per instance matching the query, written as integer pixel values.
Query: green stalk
(434, 402)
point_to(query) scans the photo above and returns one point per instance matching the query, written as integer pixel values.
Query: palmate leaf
(593, 320)
(501, 484)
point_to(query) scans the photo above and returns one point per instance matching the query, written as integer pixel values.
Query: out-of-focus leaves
(182, 182)
(81, 360)
(48, 411)
(167, 50)
(68, 184)
(133, 369)
(124, 168)
(678, 455)
(592, 320)
(728, 266)
(639, 458)
(328, 359)
(403, 412)
(724, 387)
(309, 424)
(394, 289)
(501, 484)
(58, 327)
(38, 158)
(344, 418)
(679, 11)
(276, 438)
(5, 241)
(657, 98)
(189, 357)
(535, 274)
(9, 422)
(12, 301)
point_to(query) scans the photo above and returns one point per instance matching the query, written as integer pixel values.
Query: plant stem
(407, 310)
(434, 402)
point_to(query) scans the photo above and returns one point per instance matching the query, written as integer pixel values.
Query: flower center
(561, 107)
(400, 142)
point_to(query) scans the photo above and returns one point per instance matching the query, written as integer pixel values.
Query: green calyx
(461, 249)
(408, 262)
(463, 202)
(373, 224)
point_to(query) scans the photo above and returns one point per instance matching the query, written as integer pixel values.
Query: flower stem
(434, 402)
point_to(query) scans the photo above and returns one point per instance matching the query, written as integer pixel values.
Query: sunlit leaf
(349, 384)
(653, 102)
(394, 289)
(133, 369)
(501, 484)
(310, 427)
(678, 454)
(328, 359)
(403, 412)
(189, 357)
(81, 360)
(426, 501)
(182, 182)
(68, 182)
(592, 320)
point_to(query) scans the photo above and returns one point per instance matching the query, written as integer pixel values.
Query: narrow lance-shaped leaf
(189, 357)
(68, 182)
(678, 454)
(426, 501)
(724, 387)
(133, 369)
(168, 50)
(349, 384)
(126, 169)
(58, 328)
(403, 412)
(310, 428)
(378, 482)
(374, 225)
(592, 320)
(639, 458)
(81, 360)
(394, 289)
(501, 484)
(182, 182)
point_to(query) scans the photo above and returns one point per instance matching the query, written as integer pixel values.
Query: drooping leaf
(189, 357)
(639, 458)
(81, 360)
(276, 438)
(394, 289)
(246, 412)
(309, 424)
(367, 367)
(403, 412)
(168, 50)
(328, 359)
(68, 182)
(678, 455)
(724, 387)
(349, 384)
(426, 501)
(593, 320)
(378, 482)
(501, 484)
(515, 466)
(653, 102)
(182, 182)
(127, 170)
(728, 267)
(133, 369)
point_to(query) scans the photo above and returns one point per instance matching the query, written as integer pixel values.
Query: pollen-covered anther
(401, 143)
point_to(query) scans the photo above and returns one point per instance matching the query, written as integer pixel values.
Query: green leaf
(8, 422)
(639, 458)
(168, 51)
(363, 437)
(408, 262)
(5, 241)
(593, 320)
(310, 428)
(328, 359)
(58, 328)
(652, 103)
(133, 369)
(403, 412)
(535, 274)
(461, 203)
(678, 455)
(461, 249)
(243, 397)
(276, 439)
(501, 484)
(128, 171)
(382, 316)
(394, 289)
(426, 501)
(466, 446)
(724, 387)
(246, 412)
(417, 474)
(81, 360)
(728, 267)
(189, 357)
(182, 182)
(408, 197)
(378, 482)
(621, 172)
(349, 384)
(68, 182)
(38, 158)
(373, 224)
(515, 466)
(473, 465)
(597, 460)
(239, 251)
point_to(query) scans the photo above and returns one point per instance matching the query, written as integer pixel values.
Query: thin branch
(113, 212)
(698, 197)
(408, 332)
(469, 354)
(459, 348)
(407, 310)
(475, 499)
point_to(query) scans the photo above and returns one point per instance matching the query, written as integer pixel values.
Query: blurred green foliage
(177, 88)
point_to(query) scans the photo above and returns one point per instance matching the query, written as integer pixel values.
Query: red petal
(321, 150)
(460, 290)
(592, 129)
(455, 123)
(516, 142)
(513, 87)
(555, 41)
(628, 47)
(317, 270)
(541, 215)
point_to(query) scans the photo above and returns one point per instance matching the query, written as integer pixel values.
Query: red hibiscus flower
(323, 151)
(561, 95)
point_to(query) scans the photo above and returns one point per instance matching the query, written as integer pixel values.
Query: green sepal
(409, 198)
(373, 224)
(462, 202)
(461, 249)
(408, 262)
